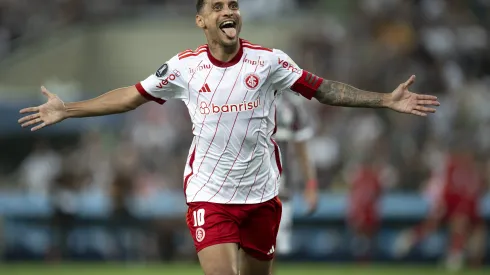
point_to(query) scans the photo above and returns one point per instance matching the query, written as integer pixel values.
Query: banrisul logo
(207, 108)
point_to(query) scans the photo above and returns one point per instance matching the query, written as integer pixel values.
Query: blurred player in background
(294, 129)
(232, 175)
(363, 218)
(455, 191)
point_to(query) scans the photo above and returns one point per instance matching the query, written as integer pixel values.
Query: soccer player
(294, 129)
(363, 217)
(456, 203)
(232, 173)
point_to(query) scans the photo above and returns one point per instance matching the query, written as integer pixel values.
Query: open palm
(51, 112)
(404, 101)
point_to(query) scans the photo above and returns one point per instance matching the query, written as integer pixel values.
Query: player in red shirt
(233, 170)
(364, 195)
(456, 203)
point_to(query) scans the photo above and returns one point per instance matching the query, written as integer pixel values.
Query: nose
(227, 11)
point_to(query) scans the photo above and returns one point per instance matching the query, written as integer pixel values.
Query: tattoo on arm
(340, 94)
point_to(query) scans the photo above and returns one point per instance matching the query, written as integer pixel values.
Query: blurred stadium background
(109, 189)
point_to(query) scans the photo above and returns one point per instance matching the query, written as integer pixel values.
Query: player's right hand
(51, 112)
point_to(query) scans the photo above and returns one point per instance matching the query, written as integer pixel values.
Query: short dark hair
(199, 5)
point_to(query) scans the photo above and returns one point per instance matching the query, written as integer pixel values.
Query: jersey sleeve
(288, 76)
(165, 84)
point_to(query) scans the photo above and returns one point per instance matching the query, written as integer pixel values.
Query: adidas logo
(205, 89)
(271, 251)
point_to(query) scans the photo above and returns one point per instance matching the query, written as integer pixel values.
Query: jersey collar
(230, 63)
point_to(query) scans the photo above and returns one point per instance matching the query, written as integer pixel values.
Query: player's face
(221, 21)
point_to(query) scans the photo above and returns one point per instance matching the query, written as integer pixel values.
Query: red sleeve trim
(146, 95)
(307, 84)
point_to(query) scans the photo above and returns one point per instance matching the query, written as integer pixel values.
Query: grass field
(192, 269)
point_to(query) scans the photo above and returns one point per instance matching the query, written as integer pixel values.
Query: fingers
(409, 82)
(418, 113)
(425, 109)
(428, 102)
(427, 97)
(40, 126)
(46, 93)
(30, 117)
(29, 110)
(31, 122)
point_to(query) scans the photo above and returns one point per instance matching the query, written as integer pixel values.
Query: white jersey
(233, 157)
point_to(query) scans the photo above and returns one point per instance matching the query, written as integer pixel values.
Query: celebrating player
(232, 174)
(294, 129)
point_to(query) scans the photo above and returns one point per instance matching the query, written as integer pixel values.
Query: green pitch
(192, 269)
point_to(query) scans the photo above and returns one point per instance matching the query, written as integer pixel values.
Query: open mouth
(228, 27)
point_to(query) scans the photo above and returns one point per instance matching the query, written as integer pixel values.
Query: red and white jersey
(233, 157)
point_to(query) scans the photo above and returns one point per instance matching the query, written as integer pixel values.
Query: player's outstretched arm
(401, 99)
(55, 110)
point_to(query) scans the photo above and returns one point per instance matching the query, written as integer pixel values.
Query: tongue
(230, 32)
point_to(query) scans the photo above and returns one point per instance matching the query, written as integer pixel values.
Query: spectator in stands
(38, 171)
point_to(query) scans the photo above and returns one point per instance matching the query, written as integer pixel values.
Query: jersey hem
(257, 201)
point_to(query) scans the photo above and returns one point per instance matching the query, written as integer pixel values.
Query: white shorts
(284, 236)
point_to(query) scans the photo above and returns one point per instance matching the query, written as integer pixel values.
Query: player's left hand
(404, 101)
(311, 198)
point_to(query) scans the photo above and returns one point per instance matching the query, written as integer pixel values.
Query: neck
(222, 53)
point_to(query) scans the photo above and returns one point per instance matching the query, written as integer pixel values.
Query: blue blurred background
(111, 188)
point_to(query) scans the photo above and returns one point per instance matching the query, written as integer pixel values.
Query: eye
(234, 6)
(218, 7)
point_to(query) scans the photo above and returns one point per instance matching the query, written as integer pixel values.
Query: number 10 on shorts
(198, 217)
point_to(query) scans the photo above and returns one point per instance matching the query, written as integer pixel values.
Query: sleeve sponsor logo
(291, 66)
(171, 77)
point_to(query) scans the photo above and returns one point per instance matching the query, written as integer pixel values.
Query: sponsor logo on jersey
(289, 66)
(261, 63)
(252, 81)
(200, 68)
(162, 70)
(200, 234)
(171, 77)
(207, 108)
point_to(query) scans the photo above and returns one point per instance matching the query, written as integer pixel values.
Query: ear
(200, 21)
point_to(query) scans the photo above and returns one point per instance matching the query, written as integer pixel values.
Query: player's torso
(232, 110)
(366, 187)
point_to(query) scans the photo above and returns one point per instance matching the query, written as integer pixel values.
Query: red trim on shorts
(191, 162)
(146, 95)
(307, 84)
